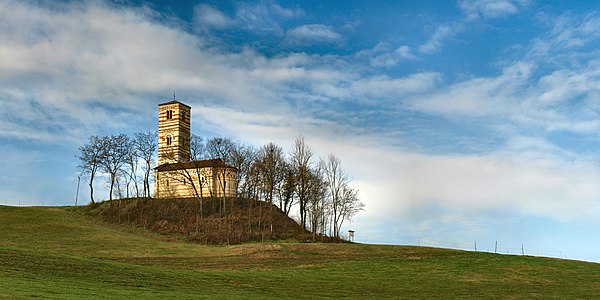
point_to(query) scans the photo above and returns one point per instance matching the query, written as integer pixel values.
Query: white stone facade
(178, 177)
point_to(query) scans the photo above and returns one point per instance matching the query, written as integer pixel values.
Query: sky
(460, 122)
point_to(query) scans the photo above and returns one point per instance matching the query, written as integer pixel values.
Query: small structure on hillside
(176, 175)
(351, 235)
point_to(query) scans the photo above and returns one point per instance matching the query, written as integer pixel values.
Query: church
(176, 175)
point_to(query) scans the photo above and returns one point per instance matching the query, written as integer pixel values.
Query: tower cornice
(174, 102)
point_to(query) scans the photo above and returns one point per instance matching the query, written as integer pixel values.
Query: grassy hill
(240, 220)
(65, 253)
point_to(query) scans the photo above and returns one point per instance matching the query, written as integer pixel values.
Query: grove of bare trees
(317, 190)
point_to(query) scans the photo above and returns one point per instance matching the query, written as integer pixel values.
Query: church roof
(174, 102)
(217, 162)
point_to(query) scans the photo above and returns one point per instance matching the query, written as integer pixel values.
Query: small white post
(77, 194)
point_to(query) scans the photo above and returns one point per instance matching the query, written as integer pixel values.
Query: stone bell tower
(173, 132)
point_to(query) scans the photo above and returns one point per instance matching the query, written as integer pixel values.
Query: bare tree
(120, 181)
(286, 188)
(197, 148)
(349, 206)
(90, 159)
(242, 158)
(271, 161)
(146, 145)
(317, 200)
(130, 172)
(117, 147)
(337, 179)
(301, 160)
(220, 148)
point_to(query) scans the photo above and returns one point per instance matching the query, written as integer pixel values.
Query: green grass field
(62, 253)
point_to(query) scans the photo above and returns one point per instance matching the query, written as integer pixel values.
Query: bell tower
(173, 132)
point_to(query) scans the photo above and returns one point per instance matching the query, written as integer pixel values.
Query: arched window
(169, 114)
(169, 140)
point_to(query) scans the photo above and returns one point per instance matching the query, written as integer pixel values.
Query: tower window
(169, 114)
(169, 140)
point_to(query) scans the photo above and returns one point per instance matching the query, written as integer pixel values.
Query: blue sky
(458, 120)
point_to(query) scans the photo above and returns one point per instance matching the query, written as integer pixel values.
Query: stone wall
(204, 182)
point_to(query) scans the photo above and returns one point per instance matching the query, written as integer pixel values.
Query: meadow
(62, 253)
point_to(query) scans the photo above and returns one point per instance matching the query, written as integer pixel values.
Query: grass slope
(246, 220)
(62, 253)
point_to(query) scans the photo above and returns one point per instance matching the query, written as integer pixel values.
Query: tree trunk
(147, 181)
(112, 183)
(92, 191)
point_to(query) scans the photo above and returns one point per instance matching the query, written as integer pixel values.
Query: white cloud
(95, 67)
(529, 183)
(381, 57)
(527, 101)
(84, 61)
(571, 36)
(491, 8)
(258, 18)
(564, 85)
(313, 33)
(90, 59)
(571, 33)
(209, 16)
(95, 54)
(441, 33)
(285, 12)
(479, 96)
(474, 10)
(254, 127)
(263, 17)
(384, 87)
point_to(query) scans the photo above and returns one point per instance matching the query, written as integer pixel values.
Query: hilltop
(209, 221)
(66, 253)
